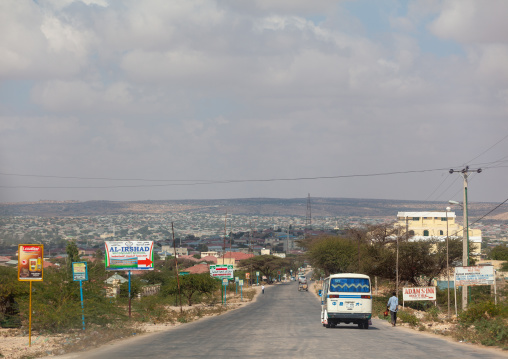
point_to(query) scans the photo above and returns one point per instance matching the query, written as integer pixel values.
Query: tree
(266, 264)
(191, 284)
(202, 248)
(499, 252)
(334, 255)
(421, 261)
(10, 289)
(72, 254)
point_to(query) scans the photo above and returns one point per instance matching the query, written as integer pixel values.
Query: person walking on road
(393, 307)
(262, 289)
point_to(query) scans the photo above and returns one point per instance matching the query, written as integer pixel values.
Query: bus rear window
(357, 285)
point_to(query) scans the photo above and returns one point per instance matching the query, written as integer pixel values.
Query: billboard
(419, 293)
(222, 271)
(30, 262)
(129, 255)
(79, 271)
(474, 275)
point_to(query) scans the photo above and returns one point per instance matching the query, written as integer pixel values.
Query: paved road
(284, 323)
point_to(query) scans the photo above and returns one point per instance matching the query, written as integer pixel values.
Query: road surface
(284, 323)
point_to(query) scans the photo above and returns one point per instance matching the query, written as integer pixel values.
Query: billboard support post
(30, 268)
(30, 318)
(82, 305)
(129, 294)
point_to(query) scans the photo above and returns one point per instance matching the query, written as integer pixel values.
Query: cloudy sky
(191, 99)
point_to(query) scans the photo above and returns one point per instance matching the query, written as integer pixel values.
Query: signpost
(418, 293)
(240, 282)
(225, 283)
(257, 278)
(236, 284)
(30, 268)
(80, 273)
(129, 255)
(475, 275)
(222, 271)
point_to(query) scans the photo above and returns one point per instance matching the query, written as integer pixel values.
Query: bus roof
(348, 275)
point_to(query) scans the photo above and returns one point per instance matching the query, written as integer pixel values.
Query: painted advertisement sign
(79, 271)
(129, 255)
(30, 262)
(222, 271)
(419, 293)
(474, 275)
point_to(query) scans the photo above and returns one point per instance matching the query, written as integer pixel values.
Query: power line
(488, 149)
(482, 217)
(205, 182)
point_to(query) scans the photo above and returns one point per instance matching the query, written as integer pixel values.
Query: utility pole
(447, 261)
(465, 237)
(224, 245)
(176, 268)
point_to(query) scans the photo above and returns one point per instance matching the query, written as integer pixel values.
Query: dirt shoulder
(14, 343)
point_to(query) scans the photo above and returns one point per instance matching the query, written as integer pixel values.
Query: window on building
(416, 218)
(441, 233)
(425, 233)
(411, 233)
(443, 219)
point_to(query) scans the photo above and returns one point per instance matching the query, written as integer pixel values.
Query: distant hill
(321, 207)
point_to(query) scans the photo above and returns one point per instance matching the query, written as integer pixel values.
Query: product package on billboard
(30, 262)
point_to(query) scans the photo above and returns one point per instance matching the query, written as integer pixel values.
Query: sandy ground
(14, 343)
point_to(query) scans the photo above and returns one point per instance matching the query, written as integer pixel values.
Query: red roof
(209, 259)
(238, 256)
(192, 258)
(198, 268)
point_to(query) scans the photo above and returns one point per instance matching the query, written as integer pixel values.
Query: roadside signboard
(247, 275)
(474, 275)
(129, 255)
(221, 271)
(240, 282)
(30, 262)
(224, 281)
(79, 271)
(419, 293)
(237, 279)
(257, 274)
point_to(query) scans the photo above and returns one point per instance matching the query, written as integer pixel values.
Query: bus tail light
(333, 296)
(366, 297)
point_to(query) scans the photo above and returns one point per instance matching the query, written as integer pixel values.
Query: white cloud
(472, 21)
(195, 89)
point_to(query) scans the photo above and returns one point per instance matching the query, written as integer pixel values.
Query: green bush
(478, 311)
(409, 318)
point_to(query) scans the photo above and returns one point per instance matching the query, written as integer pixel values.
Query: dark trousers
(394, 317)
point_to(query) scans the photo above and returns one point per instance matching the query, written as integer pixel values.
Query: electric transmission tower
(308, 217)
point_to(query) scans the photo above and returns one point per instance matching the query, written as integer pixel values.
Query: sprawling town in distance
(237, 225)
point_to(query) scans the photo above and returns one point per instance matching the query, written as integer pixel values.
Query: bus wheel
(366, 325)
(360, 325)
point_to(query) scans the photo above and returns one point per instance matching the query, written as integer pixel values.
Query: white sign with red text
(419, 293)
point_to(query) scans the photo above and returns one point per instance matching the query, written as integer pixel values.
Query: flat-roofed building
(427, 225)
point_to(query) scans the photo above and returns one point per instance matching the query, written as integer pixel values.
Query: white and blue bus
(346, 298)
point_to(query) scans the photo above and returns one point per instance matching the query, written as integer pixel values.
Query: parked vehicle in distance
(346, 298)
